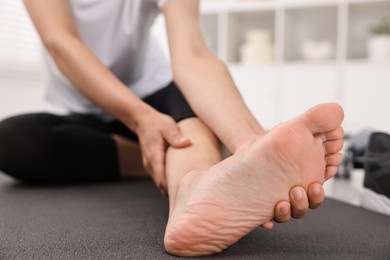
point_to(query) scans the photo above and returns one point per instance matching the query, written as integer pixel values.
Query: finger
(282, 211)
(299, 202)
(147, 165)
(158, 169)
(174, 138)
(316, 195)
(268, 225)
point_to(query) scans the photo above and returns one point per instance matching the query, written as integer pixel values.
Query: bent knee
(16, 148)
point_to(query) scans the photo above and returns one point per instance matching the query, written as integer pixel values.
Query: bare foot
(216, 207)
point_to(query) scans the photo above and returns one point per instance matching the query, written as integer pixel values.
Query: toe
(324, 118)
(333, 159)
(330, 171)
(333, 146)
(336, 134)
(316, 195)
(299, 202)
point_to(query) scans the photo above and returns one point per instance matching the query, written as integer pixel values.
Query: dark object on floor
(354, 152)
(127, 220)
(377, 164)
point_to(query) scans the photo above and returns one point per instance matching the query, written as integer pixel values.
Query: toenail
(284, 210)
(297, 194)
(316, 191)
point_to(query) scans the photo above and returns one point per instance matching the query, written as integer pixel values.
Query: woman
(118, 107)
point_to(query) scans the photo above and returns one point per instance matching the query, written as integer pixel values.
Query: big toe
(324, 117)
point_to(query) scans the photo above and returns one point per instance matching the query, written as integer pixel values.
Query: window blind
(20, 47)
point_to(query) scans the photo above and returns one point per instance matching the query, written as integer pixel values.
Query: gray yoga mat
(126, 221)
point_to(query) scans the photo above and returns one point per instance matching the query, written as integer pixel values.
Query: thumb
(176, 139)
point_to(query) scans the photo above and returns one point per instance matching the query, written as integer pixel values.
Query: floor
(346, 190)
(341, 189)
(126, 220)
(351, 190)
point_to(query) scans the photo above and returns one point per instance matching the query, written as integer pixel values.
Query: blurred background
(288, 55)
(285, 56)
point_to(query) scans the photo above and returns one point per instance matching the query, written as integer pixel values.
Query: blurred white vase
(316, 50)
(257, 49)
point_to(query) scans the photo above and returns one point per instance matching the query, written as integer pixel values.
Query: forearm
(211, 92)
(95, 81)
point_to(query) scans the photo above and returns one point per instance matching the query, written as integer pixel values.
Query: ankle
(246, 142)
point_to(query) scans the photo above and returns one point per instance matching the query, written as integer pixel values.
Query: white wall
(20, 62)
(274, 93)
(20, 96)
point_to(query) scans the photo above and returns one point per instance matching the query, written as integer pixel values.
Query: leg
(50, 148)
(214, 207)
(202, 154)
(129, 158)
(170, 101)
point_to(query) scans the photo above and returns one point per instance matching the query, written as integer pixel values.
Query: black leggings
(44, 147)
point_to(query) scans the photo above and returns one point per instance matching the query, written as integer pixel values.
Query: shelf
(303, 38)
(238, 65)
(260, 5)
(300, 30)
(240, 24)
(364, 1)
(362, 16)
(301, 63)
(296, 80)
(331, 63)
(237, 6)
(367, 64)
(308, 3)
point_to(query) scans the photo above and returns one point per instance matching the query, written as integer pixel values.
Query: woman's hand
(157, 131)
(300, 202)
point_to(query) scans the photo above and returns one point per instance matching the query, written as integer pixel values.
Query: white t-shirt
(118, 33)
